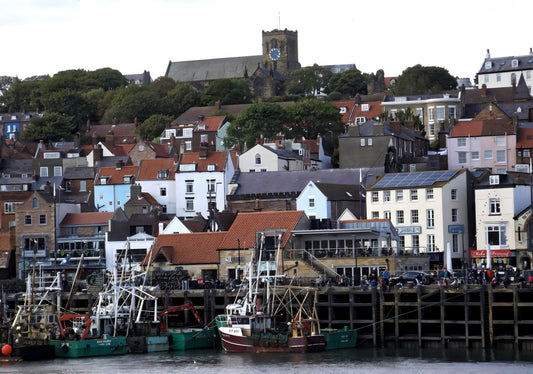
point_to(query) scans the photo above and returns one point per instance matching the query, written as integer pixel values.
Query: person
(489, 274)
(386, 280)
(364, 283)
(418, 279)
(446, 276)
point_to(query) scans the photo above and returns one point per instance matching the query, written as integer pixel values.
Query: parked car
(410, 277)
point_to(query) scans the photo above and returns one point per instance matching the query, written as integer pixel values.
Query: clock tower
(280, 51)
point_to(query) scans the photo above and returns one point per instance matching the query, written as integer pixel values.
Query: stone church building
(266, 72)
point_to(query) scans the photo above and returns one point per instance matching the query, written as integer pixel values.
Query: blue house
(113, 185)
(328, 200)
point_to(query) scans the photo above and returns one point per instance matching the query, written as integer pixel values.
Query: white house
(498, 202)
(262, 158)
(429, 210)
(137, 246)
(326, 200)
(201, 181)
(506, 71)
(157, 177)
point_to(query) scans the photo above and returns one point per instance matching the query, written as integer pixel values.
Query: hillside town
(453, 192)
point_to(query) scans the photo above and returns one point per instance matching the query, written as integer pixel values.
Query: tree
(130, 103)
(349, 83)
(420, 80)
(310, 117)
(153, 126)
(227, 91)
(182, 97)
(309, 80)
(49, 127)
(264, 119)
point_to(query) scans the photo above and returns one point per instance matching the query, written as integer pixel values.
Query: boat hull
(32, 352)
(148, 344)
(338, 339)
(233, 341)
(91, 347)
(192, 339)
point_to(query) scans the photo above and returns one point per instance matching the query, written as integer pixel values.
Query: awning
(482, 253)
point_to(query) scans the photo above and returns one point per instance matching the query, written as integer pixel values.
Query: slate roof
(78, 172)
(208, 70)
(109, 161)
(289, 182)
(488, 127)
(193, 248)
(340, 192)
(504, 64)
(246, 225)
(444, 96)
(148, 169)
(87, 219)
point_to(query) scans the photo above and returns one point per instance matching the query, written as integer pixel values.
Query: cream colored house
(506, 71)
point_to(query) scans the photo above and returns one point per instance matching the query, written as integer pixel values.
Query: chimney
(484, 90)
(217, 105)
(358, 99)
(531, 51)
(488, 54)
(396, 127)
(120, 164)
(110, 137)
(135, 191)
(201, 117)
(98, 154)
(257, 207)
(410, 124)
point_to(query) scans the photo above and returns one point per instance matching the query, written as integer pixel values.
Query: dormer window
(104, 180)
(514, 63)
(494, 179)
(488, 65)
(163, 174)
(202, 127)
(343, 109)
(211, 167)
(365, 107)
(127, 179)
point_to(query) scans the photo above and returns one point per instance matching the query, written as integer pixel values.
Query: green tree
(227, 91)
(162, 86)
(130, 103)
(349, 83)
(310, 117)
(264, 119)
(182, 97)
(420, 80)
(308, 80)
(49, 127)
(20, 96)
(153, 126)
(106, 78)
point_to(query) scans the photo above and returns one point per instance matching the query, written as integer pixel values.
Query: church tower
(280, 51)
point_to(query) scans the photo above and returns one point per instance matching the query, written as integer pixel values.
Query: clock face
(274, 54)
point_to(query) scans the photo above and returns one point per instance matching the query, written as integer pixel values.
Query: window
(399, 195)
(189, 186)
(83, 186)
(494, 206)
(451, 112)
(454, 214)
(500, 156)
(498, 77)
(118, 203)
(461, 142)
(475, 156)
(375, 215)
(204, 139)
(211, 185)
(127, 179)
(375, 196)
(431, 243)
(486, 78)
(362, 142)
(189, 204)
(163, 174)
(42, 219)
(58, 171)
(440, 113)
(430, 218)
(487, 155)
(311, 202)
(431, 114)
(9, 207)
(420, 113)
(514, 63)
(402, 241)
(369, 142)
(414, 216)
(365, 107)
(416, 243)
(431, 128)
(163, 209)
(188, 145)
(429, 193)
(386, 214)
(500, 141)
(455, 243)
(414, 195)
(141, 148)
(43, 171)
(163, 191)
(454, 194)
(461, 157)
(488, 65)
(27, 220)
(68, 186)
(35, 203)
(496, 234)
(258, 159)
(72, 231)
(393, 113)
(386, 196)
(527, 153)
(399, 217)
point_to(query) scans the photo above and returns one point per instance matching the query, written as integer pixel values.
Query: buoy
(6, 350)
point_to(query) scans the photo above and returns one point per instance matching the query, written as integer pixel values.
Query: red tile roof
(373, 112)
(88, 218)
(246, 225)
(116, 176)
(489, 127)
(349, 105)
(212, 123)
(194, 248)
(148, 169)
(213, 158)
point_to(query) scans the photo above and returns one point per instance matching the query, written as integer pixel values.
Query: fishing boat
(268, 316)
(340, 338)
(181, 335)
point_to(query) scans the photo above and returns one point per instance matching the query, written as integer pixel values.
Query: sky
(47, 36)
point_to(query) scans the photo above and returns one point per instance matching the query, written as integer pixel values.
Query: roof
(213, 158)
(416, 179)
(349, 105)
(292, 182)
(116, 175)
(87, 219)
(193, 248)
(340, 192)
(149, 169)
(246, 225)
(119, 130)
(374, 110)
(160, 150)
(208, 70)
(525, 137)
(78, 172)
(488, 127)
(212, 123)
(504, 64)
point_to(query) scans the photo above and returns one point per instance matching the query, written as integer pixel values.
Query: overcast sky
(46, 36)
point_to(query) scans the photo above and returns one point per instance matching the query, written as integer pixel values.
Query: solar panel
(415, 179)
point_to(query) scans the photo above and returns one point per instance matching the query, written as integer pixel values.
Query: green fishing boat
(340, 338)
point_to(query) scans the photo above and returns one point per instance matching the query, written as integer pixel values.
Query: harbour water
(361, 360)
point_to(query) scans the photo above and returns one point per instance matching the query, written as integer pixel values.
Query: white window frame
(399, 195)
(500, 156)
(413, 194)
(430, 218)
(387, 197)
(430, 194)
(414, 216)
(495, 206)
(461, 142)
(43, 171)
(400, 219)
